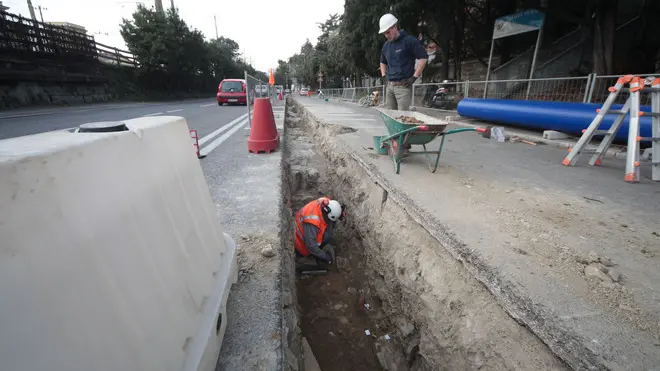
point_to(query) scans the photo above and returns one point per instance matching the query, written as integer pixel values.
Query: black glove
(411, 80)
(383, 79)
(327, 257)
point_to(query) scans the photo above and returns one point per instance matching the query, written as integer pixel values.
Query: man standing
(315, 225)
(397, 63)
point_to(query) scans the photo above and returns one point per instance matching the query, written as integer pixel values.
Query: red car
(232, 91)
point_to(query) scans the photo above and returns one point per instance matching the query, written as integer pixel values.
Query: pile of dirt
(409, 120)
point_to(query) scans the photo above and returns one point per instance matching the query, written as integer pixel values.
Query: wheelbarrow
(418, 129)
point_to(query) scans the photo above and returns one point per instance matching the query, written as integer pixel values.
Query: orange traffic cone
(264, 137)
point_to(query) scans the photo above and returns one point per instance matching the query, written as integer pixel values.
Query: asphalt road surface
(204, 115)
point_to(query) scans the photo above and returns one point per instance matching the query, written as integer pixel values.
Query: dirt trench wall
(292, 351)
(443, 314)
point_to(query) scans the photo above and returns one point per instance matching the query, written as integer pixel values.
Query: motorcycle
(442, 98)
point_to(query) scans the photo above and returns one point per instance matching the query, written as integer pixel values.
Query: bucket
(377, 148)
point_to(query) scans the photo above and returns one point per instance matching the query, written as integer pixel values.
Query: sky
(266, 30)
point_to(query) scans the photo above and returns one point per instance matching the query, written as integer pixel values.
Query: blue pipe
(570, 118)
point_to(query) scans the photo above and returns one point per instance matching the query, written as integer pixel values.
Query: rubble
(268, 251)
(597, 270)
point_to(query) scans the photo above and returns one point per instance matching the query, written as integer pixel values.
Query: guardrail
(26, 38)
(112, 55)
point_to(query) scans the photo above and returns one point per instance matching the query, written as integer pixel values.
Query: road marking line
(153, 114)
(351, 119)
(220, 130)
(344, 114)
(208, 105)
(213, 145)
(174, 110)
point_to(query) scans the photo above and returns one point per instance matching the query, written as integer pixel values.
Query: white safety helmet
(387, 21)
(334, 210)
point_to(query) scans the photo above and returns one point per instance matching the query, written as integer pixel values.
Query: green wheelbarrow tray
(402, 135)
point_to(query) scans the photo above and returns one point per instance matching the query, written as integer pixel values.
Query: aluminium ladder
(632, 107)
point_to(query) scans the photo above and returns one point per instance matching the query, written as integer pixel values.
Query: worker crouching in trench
(315, 226)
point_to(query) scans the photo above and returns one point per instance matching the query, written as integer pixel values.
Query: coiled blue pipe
(570, 118)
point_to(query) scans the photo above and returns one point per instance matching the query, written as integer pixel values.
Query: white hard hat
(387, 21)
(334, 210)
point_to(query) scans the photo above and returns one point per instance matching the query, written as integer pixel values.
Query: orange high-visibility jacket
(310, 213)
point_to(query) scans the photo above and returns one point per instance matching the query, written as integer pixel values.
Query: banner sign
(514, 24)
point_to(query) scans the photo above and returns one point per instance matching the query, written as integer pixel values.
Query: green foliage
(349, 45)
(174, 58)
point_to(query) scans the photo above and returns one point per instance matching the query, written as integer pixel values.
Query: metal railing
(600, 85)
(585, 89)
(356, 95)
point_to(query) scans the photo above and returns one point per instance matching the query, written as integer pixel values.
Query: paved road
(203, 114)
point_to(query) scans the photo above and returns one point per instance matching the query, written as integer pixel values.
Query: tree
(604, 27)
(175, 58)
(282, 73)
(349, 45)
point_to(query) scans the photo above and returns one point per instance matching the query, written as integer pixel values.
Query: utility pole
(31, 8)
(172, 2)
(159, 6)
(41, 14)
(216, 27)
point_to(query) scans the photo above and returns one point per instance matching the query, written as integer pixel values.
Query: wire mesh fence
(561, 89)
(601, 84)
(444, 96)
(364, 96)
(258, 89)
(447, 95)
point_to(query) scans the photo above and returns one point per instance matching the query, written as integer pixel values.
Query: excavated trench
(341, 314)
(421, 307)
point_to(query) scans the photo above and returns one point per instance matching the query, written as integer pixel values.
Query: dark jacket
(310, 232)
(400, 55)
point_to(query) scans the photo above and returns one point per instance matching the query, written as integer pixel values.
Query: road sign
(521, 22)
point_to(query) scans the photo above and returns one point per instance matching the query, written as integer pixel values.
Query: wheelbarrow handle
(414, 128)
(460, 130)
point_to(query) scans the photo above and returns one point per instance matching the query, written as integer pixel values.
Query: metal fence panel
(586, 89)
(423, 95)
(256, 88)
(601, 84)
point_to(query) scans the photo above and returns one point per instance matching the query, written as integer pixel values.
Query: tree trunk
(459, 35)
(445, 18)
(604, 30)
(505, 45)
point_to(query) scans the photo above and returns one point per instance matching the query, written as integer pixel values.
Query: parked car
(232, 91)
(261, 91)
(304, 91)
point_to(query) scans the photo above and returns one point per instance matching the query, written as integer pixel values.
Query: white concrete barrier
(111, 253)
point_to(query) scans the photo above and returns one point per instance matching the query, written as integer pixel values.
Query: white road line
(345, 114)
(351, 119)
(220, 130)
(213, 145)
(174, 110)
(153, 114)
(207, 105)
